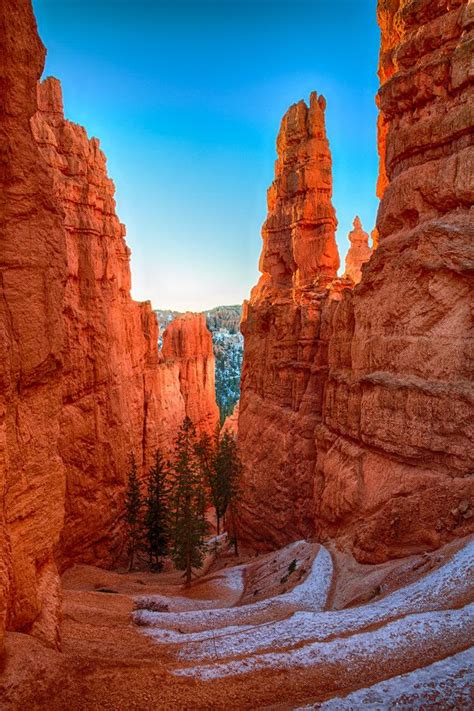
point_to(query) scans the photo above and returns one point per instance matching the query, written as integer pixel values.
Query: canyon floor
(303, 627)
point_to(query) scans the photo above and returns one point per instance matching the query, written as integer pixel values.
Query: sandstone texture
(395, 455)
(32, 332)
(356, 417)
(187, 342)
(231, 422)
(359, 252)
(284, 364)
(82, 383)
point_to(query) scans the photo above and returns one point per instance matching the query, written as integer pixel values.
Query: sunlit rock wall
(395, 455)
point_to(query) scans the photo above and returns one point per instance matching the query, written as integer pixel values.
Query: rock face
(231, 422)
(187, 343)
(82, 384)
(223, 323)
(394, 453)
(359, 252)
(380, 385)
(284, 362)
(108, 358)
(33, 275)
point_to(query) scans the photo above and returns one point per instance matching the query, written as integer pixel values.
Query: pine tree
(157, 511)
(133, 511)
(228, 469)
(189, 523)
(206, 453)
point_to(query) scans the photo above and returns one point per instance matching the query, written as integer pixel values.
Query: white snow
(231, 579)
(311, 594)
(442, 588)
(447, 684)
(399, 642)
(385, 639)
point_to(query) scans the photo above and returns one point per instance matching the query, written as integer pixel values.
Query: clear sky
(186, 98)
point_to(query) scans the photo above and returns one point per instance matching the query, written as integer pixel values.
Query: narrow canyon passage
(353, 421)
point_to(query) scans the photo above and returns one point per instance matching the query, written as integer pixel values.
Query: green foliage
(292, 566)
(157, 511)
(189, 525)
(228, 469)
(133, 511)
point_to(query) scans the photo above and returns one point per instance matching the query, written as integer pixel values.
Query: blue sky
(186, 98)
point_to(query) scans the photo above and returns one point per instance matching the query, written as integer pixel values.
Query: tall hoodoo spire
(299, 246)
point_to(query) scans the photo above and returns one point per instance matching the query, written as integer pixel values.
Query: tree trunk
(218, 524)
(234, 530)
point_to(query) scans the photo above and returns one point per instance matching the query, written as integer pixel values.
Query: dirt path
(262, 629)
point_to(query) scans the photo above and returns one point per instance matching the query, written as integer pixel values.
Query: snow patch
(447, 684)
(442, 588)
(397, 643)
(311, 594)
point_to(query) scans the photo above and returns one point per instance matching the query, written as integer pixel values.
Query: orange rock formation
(359, 252)
(283, 368)
(394, 452)
(188, 343)
(231, 422)
(82, 383)
(356, 412)
(33, 267)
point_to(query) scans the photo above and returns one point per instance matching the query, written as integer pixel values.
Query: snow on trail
(445, 587)
(311, 594)
(381, 643)
(397, 643)
(230, 580)
(445, 684)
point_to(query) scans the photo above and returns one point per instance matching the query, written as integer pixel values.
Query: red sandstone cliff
(82, 383)
(32, 275)
(109, 357)
(231, 422)
(284, 365)
(188, 343)
(395, 451)
(362, 430)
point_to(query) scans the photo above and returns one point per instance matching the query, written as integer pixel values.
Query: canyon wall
(33, 276)
(82, 383)
(395, 456)
(364, 427)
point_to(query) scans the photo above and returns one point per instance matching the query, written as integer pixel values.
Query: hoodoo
(354, 422)
(82, 381)
(362, 406)
(284, 362)
(359, 252)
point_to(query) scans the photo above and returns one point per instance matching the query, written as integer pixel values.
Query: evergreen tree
(228, 469)
(206, 452)
(133, 511)
(157, 511)
(189, 523)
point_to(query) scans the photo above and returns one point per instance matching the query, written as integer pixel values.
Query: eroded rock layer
(82, 384)
(33, 275)
(284, 362)
(187, 342)
(378, 389)
(395, 453)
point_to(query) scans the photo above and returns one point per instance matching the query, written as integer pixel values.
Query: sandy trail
(291, 629)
